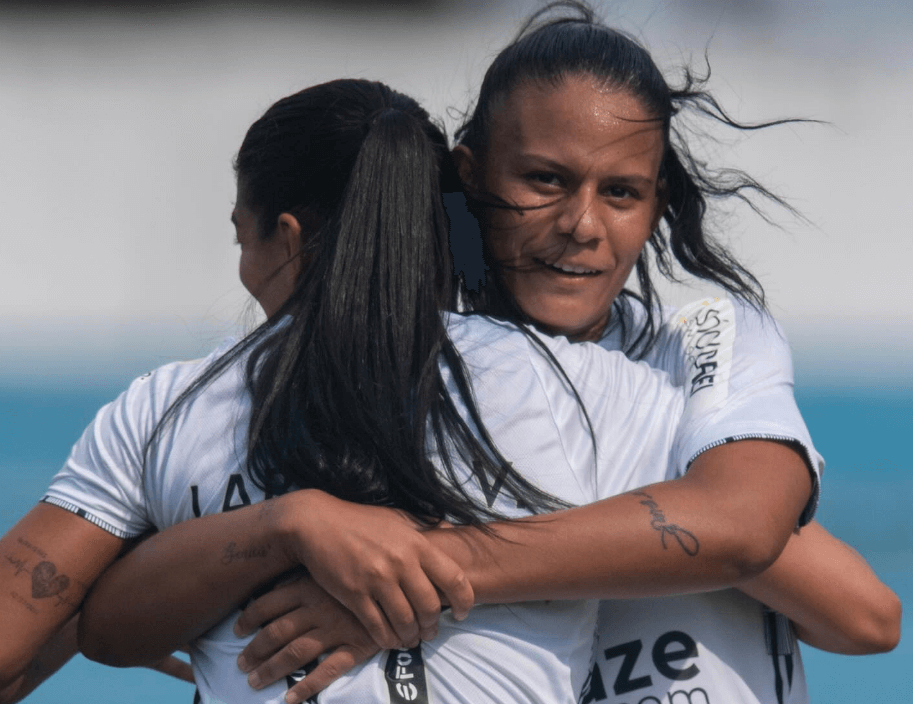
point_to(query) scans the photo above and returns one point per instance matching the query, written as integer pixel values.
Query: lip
(568, 269)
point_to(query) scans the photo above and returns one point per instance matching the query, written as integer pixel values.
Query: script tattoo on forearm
(232, 553)
(684, 537)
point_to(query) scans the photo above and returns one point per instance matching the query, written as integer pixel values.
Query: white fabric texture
(535, 652)
(712, 648)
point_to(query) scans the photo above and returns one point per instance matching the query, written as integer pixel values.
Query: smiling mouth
(568, 269)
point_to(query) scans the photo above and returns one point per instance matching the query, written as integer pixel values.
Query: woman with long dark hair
(576, 171)
(572, 166)
(355, 389)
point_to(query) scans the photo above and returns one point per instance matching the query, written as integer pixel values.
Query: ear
(466, 166)
(288, 230)
(288, 239)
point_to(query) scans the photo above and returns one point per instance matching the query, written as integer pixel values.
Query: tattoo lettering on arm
(684, 537)
(46, 582)
(232, 553)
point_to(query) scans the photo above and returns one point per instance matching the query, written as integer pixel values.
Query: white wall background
(118, 126)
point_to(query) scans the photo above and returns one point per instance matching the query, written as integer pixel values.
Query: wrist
(284, 521)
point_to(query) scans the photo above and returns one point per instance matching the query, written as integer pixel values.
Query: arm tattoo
(46, 582)
(232, 553)
(684, 537)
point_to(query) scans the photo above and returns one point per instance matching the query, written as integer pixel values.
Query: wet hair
(346, 387)
(548, 49)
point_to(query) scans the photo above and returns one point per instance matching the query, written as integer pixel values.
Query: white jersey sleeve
(102, 480)
(736, 368)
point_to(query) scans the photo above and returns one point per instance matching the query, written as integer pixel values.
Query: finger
(268, 607)
(426, 604)
(292, 657)
(369, 613)
(334, 666)
(276, 636)
(450, 579)
(175, 667)
(400, 614)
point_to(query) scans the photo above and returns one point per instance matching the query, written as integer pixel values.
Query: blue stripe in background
(867, 499)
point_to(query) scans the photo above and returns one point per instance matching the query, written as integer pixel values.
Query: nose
(580, 218)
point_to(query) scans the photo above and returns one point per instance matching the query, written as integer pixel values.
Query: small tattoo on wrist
(232, 553)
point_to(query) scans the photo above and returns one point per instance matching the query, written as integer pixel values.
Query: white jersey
(532, 652)
(719, 647)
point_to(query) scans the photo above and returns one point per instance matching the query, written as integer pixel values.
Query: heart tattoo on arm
(46, 582)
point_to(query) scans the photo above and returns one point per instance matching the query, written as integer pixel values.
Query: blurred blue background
(118, 122)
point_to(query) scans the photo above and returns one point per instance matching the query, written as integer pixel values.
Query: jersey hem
(91, 518)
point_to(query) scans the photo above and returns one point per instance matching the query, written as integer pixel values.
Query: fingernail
(253, 679)
(291, 698)
(237, 630)
(243, 664)
(429, 634)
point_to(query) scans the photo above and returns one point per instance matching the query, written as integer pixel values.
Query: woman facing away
(571, 164)
(355, 387)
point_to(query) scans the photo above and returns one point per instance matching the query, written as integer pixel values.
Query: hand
(377, 563)
(303, 623)
(175, 667)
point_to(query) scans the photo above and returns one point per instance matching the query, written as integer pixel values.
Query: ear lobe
(466, 166)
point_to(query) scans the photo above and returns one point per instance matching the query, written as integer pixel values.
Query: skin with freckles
(582, 163)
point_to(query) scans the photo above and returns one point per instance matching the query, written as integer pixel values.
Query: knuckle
(277, 632)
(297, 654)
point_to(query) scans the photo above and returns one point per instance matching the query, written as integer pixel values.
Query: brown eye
(620, 192)
(545, 178)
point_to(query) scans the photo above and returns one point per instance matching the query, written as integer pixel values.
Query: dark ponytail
(346, 388)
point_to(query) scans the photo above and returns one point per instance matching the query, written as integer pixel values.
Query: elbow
(750, 555)
(880, 633)
(95, 646)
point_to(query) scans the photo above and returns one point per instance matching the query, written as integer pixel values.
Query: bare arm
(710, 529)
(48, 560)
(210, 565)
(834, 599)
(704, 531)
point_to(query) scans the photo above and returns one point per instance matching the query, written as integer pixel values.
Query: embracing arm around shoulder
(190, 576)
(48, 561)
(834, 599)
(712, 528)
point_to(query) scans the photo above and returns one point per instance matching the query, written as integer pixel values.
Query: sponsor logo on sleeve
(708, 334)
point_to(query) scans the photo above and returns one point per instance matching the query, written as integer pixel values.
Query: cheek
(246, 272)
(515, 237)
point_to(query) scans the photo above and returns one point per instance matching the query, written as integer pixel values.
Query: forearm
(53, 655)
(710, 529)
(178, 583)
(48, 560)
(830, 593)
